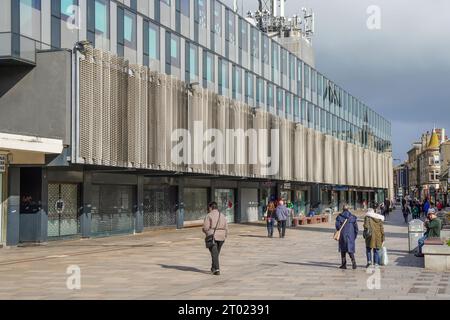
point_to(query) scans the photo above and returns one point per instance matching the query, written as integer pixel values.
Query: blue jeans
(422, 243)
(270, 224)
(376, 256)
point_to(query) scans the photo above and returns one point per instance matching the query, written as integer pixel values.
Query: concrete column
(13, 207)
(86, 215)
(43, 212)
(180, 206)
(139, 216)
(239, 203)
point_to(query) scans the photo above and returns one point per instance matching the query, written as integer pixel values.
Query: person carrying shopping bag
(374, 236)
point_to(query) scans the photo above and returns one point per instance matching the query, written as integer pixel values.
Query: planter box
(437, 257)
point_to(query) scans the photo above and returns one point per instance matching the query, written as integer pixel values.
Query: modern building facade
(88, 132)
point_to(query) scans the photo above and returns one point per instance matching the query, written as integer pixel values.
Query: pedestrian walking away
(215, 225)
(270, 218)
(374, 236)
(282, 214)
(433, 225)
(348, 226)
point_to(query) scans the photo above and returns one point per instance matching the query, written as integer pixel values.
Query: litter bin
(415, 232)
(329, 213)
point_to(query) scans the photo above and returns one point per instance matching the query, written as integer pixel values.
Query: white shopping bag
(384, 259)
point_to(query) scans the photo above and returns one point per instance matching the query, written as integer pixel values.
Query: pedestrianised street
(170, 264)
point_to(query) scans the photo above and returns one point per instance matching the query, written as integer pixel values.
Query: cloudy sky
(401, 71)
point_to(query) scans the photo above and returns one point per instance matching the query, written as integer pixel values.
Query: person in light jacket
(348, 236)
(373, 226)
(213, 219)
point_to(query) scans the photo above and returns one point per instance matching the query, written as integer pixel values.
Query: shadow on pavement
(251, 236)
(314, 264)
(184, 268)
(409, 260)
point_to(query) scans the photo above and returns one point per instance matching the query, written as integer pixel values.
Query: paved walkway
(175, 265)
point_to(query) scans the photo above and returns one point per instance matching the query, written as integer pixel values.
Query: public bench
(437, 255)
(301, 221)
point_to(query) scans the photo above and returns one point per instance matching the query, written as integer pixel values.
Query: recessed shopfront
(113, 209)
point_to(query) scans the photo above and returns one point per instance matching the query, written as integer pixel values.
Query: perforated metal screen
(129, 113)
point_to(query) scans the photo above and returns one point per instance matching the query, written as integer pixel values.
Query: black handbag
(209, 240)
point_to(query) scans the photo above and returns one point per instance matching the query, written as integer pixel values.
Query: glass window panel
(217, 18)
(130, 30)
(185, 7)
(153, 41)
(193, 61)
(101, 17)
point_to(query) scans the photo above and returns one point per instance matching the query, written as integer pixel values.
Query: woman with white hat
(374, 236)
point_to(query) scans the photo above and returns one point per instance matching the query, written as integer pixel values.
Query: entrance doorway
(63, 210)
(30, 204)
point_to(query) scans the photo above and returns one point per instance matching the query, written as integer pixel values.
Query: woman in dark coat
(348, 236)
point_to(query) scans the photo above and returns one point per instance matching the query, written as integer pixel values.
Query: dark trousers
(281, 225)
(270, 223)
(215, 252)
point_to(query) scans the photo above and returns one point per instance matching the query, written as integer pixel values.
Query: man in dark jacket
(282, 216)
(348, 236)
(433, 225)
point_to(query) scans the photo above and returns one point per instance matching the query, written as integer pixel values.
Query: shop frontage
(113, 210)
(226, 199)
(301, 200)
(267, 193)
(160, 206)
(195, 205)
